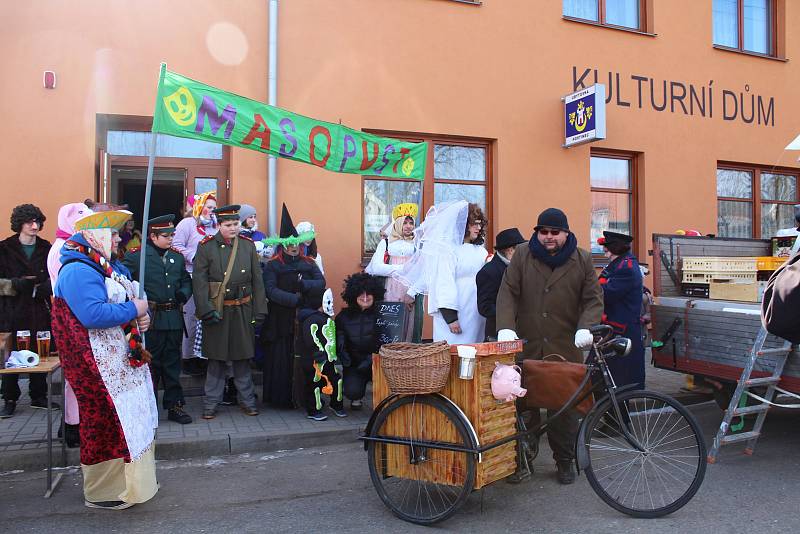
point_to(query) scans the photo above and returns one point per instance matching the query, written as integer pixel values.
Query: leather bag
(780, 308)
(216, 290)
(551, 383)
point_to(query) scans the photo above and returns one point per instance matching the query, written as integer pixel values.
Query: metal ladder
(723, 436)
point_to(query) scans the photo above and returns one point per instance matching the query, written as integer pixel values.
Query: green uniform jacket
(233, 338)
(166, 280)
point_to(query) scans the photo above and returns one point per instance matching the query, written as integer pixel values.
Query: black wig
(26, 213)
(357, 283)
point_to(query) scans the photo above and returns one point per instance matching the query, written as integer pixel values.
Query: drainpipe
(272, 82)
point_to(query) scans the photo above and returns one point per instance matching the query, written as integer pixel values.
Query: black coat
(488, 280)
(358, 333)
(24, 311)
(284, 283)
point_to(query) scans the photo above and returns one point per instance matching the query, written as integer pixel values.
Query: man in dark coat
(168, 287)
(551, 297)
(489, 277)
(23, 261)
(231, 305)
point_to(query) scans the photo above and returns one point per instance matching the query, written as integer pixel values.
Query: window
(612, 178)
(621, 13)
(461, 170)
(746, 25)
(131, 143)
(738, 215)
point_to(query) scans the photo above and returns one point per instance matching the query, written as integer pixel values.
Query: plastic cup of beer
(23, 340)
(43, 344)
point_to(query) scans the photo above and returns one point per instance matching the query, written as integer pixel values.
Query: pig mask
(506, 380)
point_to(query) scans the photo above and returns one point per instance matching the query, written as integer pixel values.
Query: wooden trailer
(700, 336)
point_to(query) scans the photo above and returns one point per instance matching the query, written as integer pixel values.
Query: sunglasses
(553, 233)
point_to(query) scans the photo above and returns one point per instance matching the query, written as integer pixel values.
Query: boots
(8, 409)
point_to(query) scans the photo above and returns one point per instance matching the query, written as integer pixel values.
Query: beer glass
(43, 344)
(23, 340)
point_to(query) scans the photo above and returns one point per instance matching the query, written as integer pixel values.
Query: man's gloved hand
(258, 321)
(212, 317)
(23, 286)
(583, 339)
(44, 290)
(506, 334)
(180, 298)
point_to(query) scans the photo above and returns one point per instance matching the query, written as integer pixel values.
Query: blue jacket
(81, 283)
(622, 285)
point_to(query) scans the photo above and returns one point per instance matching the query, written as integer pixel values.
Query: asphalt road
(329, 489)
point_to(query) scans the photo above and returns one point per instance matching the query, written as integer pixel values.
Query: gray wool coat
(547, 306)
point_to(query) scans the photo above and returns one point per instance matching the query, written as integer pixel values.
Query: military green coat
(234, 337)
(166, 280)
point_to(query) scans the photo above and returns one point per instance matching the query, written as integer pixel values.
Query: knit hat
(552, 218)
(245, 211)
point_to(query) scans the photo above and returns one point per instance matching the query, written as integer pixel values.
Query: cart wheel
(417, 481)
(657, 480)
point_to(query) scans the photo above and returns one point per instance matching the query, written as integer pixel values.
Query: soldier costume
(168, 287)
(231, 312)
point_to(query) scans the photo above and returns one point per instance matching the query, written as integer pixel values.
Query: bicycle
(643, 452)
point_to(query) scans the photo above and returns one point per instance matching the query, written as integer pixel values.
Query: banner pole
(149, 185)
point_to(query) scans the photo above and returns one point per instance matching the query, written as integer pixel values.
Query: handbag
(550, 384)
(216, 290)
(780, 308)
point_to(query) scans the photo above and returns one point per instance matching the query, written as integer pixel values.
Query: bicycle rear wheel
(657, 480)
(417, 482)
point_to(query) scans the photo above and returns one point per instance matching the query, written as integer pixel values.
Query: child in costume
(357, 326)
(316, 344)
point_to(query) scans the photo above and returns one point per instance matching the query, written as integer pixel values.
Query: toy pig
(506, 381)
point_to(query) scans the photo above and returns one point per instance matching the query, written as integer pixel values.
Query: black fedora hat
(510, 237)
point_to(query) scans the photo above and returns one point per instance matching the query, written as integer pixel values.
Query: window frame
(755, 199)
(430, 180)
(633, 191)
(601, 16)
(773, 31)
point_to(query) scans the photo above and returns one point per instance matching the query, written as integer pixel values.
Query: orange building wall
(496, 71)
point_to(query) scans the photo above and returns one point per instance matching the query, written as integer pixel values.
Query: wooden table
(48, 365)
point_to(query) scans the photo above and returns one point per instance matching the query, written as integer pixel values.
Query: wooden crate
(492, 420)
(706, 277)
(717, 263)
(731, 291)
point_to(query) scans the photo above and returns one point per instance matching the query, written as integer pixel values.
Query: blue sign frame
(585, 115)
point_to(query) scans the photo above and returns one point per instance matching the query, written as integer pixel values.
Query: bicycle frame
(607, 384)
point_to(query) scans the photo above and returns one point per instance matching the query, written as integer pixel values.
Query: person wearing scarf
(98, 321)
(199, 224)
(67, 216)
(390, 256)
(550, 296)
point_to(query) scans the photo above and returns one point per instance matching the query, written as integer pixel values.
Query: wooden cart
(491, 420)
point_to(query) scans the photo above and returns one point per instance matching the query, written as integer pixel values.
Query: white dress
(454, 287)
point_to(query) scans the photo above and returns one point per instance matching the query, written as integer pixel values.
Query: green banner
(187, 108)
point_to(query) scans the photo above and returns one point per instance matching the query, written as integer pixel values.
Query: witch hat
(287, 226)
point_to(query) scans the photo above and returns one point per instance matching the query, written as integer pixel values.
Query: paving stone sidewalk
(231, 432)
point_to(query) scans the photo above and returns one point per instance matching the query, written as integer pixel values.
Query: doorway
(127, 184)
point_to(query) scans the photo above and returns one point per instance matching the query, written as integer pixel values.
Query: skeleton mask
(327, 302)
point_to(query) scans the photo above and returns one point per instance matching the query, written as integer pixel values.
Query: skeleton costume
(317, 347)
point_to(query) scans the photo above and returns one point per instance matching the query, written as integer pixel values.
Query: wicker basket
(412, 368)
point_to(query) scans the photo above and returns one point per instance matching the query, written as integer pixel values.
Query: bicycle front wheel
(420, 480)
(661, 475)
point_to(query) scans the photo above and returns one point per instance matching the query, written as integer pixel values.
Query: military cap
(228, 213)
(161, 225)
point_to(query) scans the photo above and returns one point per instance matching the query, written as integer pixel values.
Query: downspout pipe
(272, 83)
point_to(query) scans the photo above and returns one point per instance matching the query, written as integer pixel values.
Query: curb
(176, 449)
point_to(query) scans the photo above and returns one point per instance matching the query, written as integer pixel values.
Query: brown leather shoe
(248, 410)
